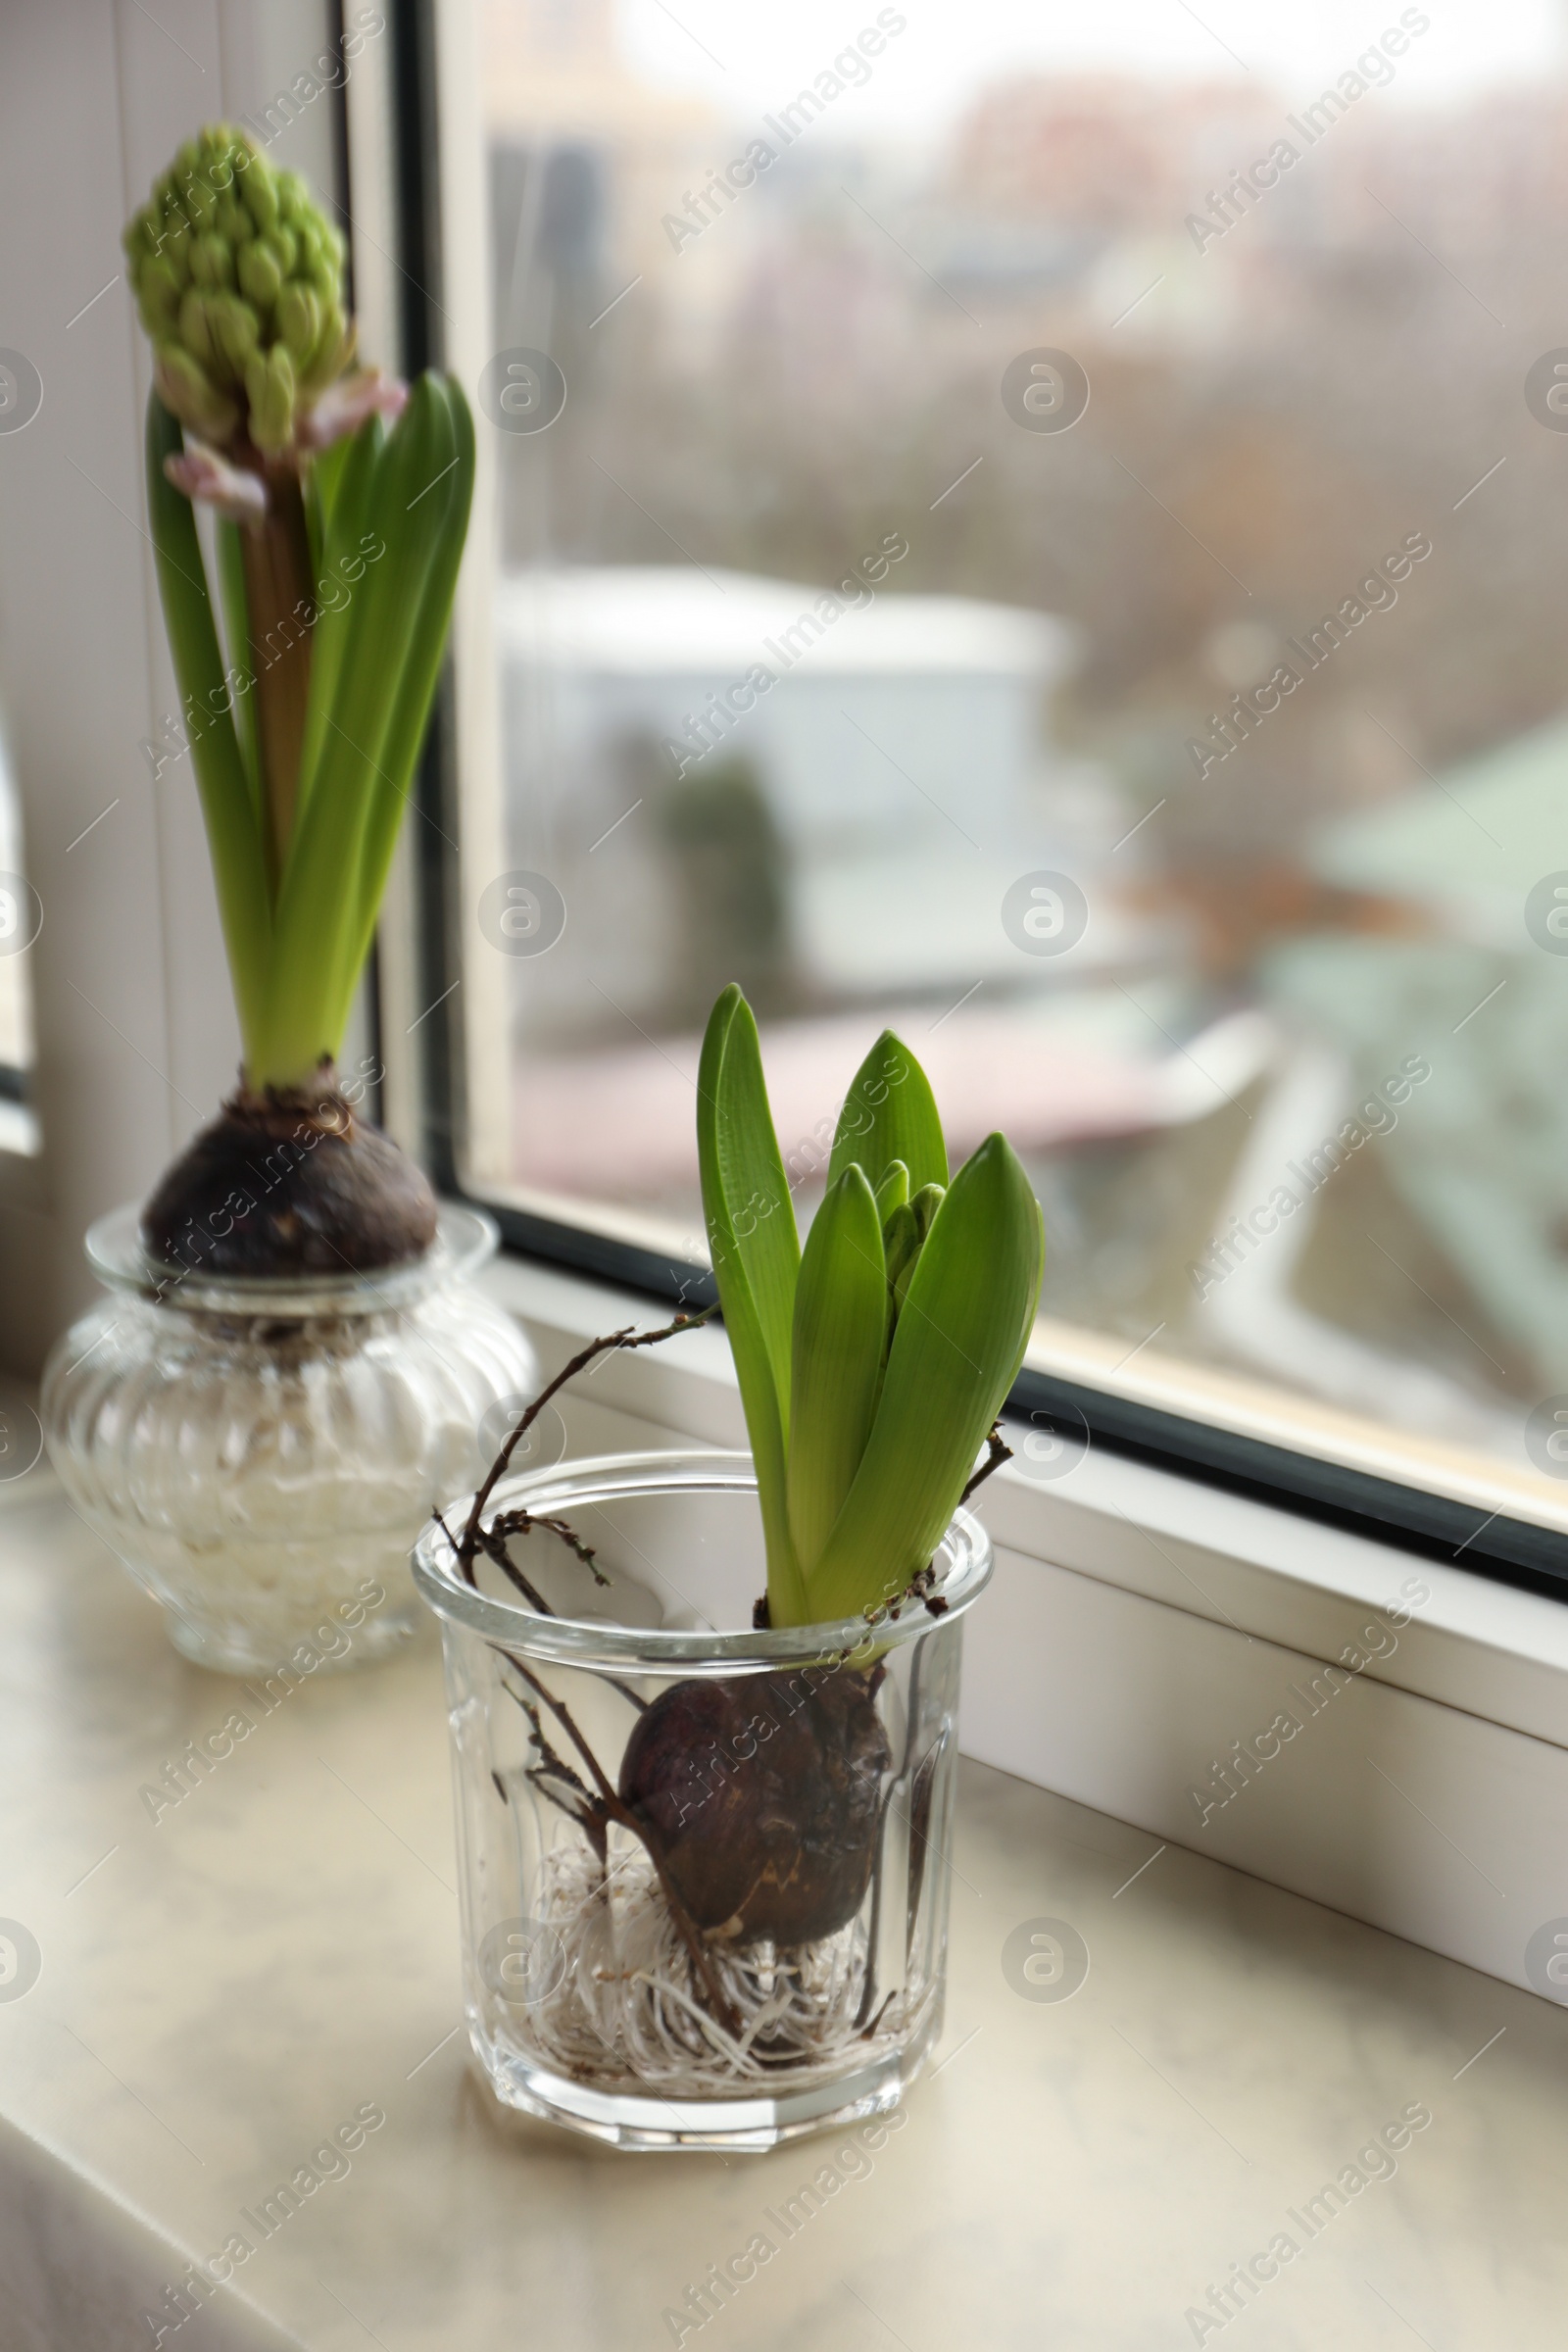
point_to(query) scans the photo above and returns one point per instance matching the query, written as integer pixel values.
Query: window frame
(429, 1084)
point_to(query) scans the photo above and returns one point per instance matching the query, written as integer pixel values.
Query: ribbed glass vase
(263, 1454)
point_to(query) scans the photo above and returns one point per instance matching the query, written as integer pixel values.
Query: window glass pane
(1040, 529)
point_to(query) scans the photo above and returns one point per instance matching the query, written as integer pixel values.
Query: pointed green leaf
(339, 571)
(235, 602)
(326, 472)
(893, 1191)
(416, 688)
(925, 1204)
(889, 1113)
(233, 834)
(840, 1320)
(359, 764)
(756, 1256)
(900, 1240)
(959, 1340)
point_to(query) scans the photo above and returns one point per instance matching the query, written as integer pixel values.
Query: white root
(625, 2012)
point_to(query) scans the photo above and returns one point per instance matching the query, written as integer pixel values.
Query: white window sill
(1142, 1623)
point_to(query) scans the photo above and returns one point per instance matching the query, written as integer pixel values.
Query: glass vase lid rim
(464, 1237)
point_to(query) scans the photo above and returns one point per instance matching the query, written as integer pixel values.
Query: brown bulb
(763, 1794)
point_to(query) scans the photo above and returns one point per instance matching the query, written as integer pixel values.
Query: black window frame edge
(1385, 1510)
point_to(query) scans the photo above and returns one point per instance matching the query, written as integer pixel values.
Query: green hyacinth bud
(925, 1204)
(260, 277)
(904, 1238)
(174, 247)
(239, 277)
(188, 390)
(901, 1240)
(260, 188)
(334, 348)
(195, 331)
(139, 236)
(231, 325)
(196, 192)
(299, 322)
(158, 291)
(270, 391)
(211, 262)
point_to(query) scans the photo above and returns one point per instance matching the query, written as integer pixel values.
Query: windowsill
(278, 1955)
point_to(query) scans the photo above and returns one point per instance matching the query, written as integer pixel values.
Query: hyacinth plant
(873, 1362)
(872, 1365)
(340, 501)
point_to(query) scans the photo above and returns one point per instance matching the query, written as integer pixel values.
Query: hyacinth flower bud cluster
(240, 281)
(905, 1223)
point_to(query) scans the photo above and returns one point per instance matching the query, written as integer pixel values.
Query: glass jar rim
(465, 1239)
(964, 1562)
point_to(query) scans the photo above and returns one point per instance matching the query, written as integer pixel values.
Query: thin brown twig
(611, 1805)
(624, 1339)
(537, 1774)
(998, 1453)
(476, 1538)
(523, 1523)
(497, 1551)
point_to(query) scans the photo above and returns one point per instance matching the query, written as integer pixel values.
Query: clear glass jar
(262, 1454)
(625, 1762)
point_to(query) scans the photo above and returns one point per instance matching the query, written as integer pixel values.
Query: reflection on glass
(1048, 540)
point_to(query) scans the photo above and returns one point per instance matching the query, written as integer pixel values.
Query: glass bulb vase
(262, 1454)
(703, 1873)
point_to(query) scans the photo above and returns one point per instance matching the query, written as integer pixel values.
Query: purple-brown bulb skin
(285, 1184)
(763, 1794)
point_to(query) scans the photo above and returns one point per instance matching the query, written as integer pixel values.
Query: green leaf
(417, 686)
(757, 1254)
(840, 1319)
(888, 1114)
(893, 1191)
(925, 1204)
(319, 908)
(327, 468)
(237, 636)
(319, 485)
(901, 1242)
(339, 578)
(961, 1338)
(232, 833)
